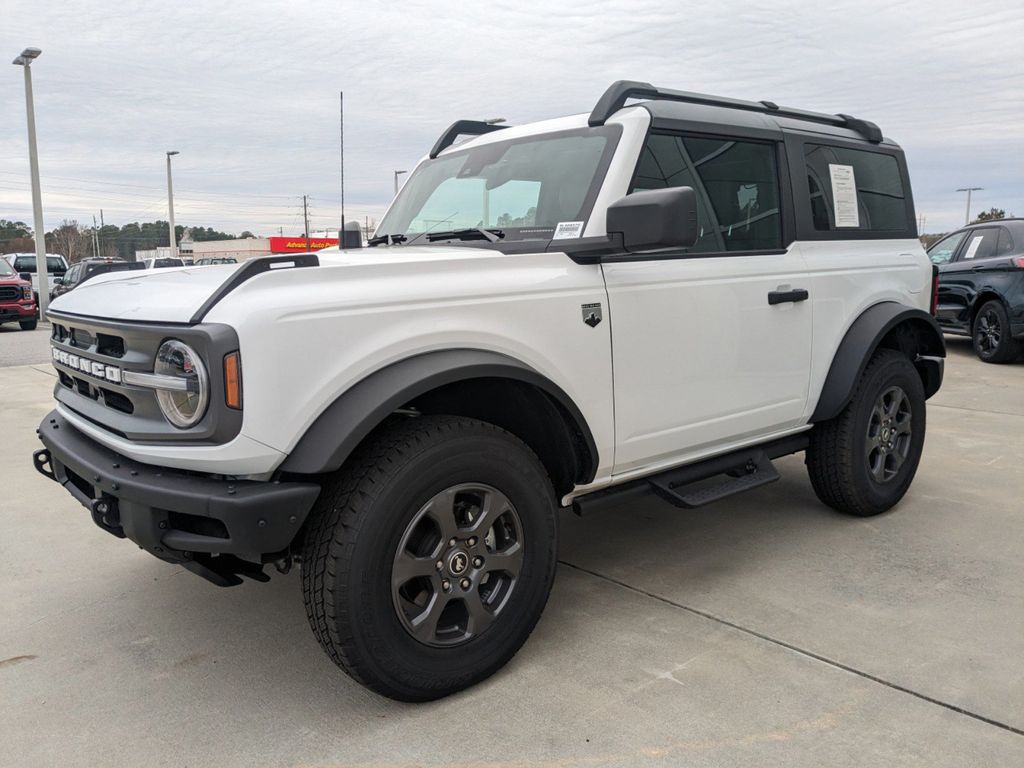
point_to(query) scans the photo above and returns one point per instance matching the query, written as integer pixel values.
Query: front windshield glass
(5, 269)
(524, 187)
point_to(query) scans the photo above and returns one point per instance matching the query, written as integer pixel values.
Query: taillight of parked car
(935, 289)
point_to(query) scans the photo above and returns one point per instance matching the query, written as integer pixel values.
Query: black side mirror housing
(25, 276)
(655, 219)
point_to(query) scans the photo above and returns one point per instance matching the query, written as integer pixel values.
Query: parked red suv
(16, 299)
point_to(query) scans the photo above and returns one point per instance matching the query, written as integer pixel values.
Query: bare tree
(70, 240)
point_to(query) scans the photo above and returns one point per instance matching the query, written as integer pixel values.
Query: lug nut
(446, 585)
(472, 541)
(439, 565)
(464, 584)
(477, 562)
(451, 542)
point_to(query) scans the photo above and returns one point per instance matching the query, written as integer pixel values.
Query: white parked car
(56, 266)
(659, 297)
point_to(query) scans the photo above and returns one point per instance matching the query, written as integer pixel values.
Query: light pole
(42, 277)
(397, 174)
(968, 190)
(170, 205)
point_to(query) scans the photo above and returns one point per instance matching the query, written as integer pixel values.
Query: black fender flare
(923, 343)
(336, 432)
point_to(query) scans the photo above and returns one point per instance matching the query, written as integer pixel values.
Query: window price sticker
(844, 195)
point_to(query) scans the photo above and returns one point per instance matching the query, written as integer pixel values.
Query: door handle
(783, 297)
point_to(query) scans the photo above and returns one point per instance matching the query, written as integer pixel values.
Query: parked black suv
(89, 268)
(981, 287)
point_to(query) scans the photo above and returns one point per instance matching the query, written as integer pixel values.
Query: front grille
(10, 293)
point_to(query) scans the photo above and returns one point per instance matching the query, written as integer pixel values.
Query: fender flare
(336, 432)
(926, 349)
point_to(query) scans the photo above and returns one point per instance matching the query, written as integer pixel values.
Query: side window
(981, 244)
(736, 182)
(942, 252)
(1005, 246)
(854, 189)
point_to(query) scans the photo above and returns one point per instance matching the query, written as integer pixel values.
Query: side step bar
(682, 490)
(691, 486)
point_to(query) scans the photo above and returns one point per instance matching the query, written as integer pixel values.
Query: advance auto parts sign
(298, 244)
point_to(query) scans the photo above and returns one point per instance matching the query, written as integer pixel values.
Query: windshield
(5, 269)
(524, 187)
(28, 264)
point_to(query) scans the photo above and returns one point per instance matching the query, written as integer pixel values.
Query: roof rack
(462, 128)
(618, 92)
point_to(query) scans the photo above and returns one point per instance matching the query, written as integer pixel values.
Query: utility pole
(341, 139)
(95, 239)
(305, 218)
(170, 206)
(968, 190)
(42, 277)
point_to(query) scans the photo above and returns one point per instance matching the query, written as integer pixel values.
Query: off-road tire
(1006, 349)
(837, 459)
(28, 325)
(355, 529)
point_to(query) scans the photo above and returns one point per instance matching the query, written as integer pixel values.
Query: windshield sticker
(568, 230)
(972, 249)
(844, 195)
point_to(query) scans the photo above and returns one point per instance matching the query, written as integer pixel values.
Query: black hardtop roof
(667, 105)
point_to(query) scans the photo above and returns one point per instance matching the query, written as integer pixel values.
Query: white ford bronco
(661, 296)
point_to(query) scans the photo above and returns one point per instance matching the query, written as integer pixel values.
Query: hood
(175, 295)
(154, 295)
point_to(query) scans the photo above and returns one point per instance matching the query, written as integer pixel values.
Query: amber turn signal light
(233, 380)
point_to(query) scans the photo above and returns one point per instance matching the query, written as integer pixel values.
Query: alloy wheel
(889, 434)
(457, 564)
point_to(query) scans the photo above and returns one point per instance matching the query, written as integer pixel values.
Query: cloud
(248, 92)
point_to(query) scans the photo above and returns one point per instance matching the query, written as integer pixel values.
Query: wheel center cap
(885, 433)
(458, 562)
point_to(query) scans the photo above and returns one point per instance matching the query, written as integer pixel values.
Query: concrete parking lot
(764, 631)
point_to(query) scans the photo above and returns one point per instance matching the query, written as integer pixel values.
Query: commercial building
(241, 249)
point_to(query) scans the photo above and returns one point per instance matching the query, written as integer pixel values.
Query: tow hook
(41, 461)
(107, 516)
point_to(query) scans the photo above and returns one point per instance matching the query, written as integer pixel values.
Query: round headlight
(183, 406)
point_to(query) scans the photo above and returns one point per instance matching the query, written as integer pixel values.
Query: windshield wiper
(387, 240)
(471, 233)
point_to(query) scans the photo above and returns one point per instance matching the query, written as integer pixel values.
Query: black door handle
(782, 297)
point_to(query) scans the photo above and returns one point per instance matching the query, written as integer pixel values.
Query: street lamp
(397, 174)
(968, 190)
(170, 205)
(42, 279)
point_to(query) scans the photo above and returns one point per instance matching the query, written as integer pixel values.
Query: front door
(711, 347)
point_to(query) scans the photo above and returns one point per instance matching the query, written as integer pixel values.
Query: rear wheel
(863, 461)
(991, 334)
(430, 556)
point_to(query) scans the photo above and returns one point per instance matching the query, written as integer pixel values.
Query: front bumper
(17, 311)
(217, 528)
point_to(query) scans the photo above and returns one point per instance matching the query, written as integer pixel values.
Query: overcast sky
(248, 92)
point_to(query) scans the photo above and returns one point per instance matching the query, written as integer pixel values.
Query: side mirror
(25, 276)
(655, 218)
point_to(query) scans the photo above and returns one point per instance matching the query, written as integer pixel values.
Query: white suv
(661, 297)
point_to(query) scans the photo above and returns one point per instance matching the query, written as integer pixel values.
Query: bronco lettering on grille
(89, 367)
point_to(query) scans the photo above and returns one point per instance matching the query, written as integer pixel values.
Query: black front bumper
(217, 528)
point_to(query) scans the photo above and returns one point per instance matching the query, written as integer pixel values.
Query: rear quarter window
(854, 190)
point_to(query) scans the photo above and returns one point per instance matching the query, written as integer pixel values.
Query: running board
(695, 485)
(679, 488)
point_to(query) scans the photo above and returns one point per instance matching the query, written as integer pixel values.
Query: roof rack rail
(462, 128)
(613, 99)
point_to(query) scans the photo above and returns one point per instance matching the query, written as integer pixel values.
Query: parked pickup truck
(17, 302)
(660, 297)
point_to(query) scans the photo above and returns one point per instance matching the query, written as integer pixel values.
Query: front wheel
(28, 325)
(863, 461)
(430, 555)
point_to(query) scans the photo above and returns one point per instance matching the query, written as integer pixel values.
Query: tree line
(75, 242)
